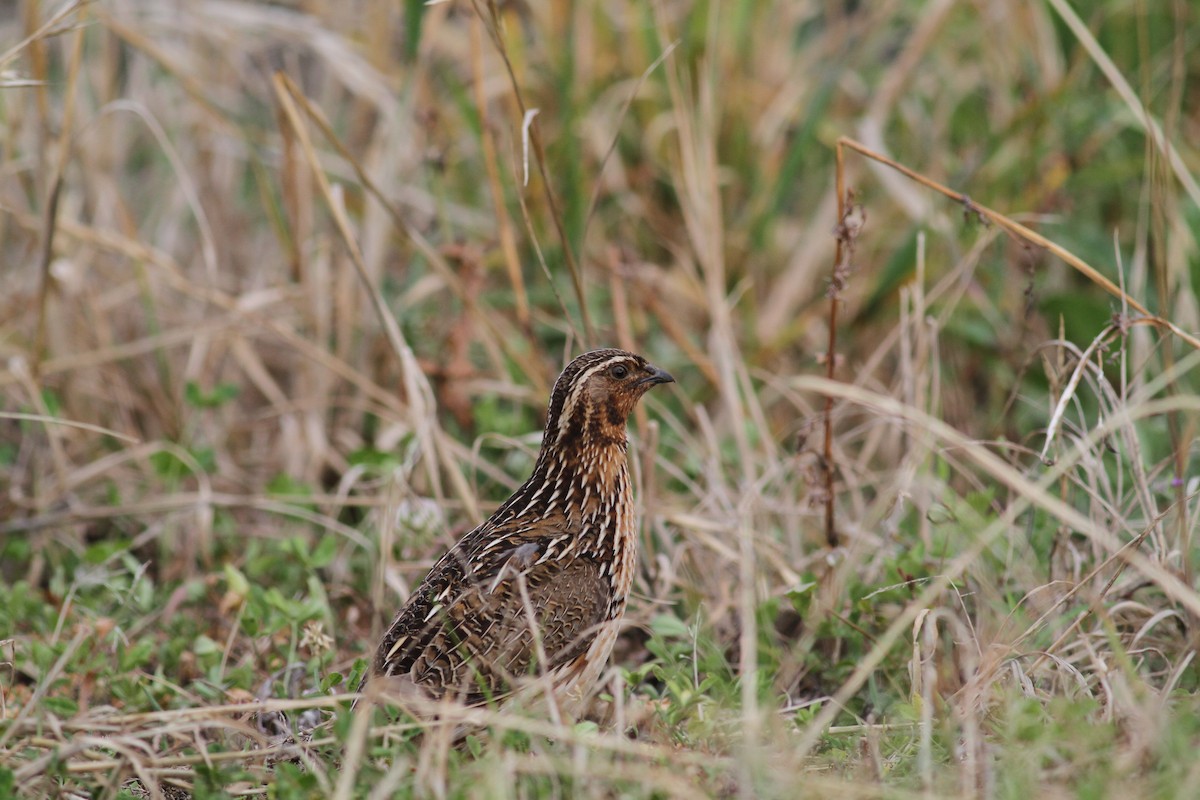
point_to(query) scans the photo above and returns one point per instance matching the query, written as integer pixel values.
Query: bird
(534, 596)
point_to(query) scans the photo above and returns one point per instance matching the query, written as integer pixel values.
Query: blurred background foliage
(205, 204)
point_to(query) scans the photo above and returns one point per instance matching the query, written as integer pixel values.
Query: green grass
(222, 468)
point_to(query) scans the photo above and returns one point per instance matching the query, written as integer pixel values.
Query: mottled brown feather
(552, 567)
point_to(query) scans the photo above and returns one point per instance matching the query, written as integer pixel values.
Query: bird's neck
(599, 467)
(575, 483)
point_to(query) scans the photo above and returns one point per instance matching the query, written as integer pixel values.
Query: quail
(534, 596)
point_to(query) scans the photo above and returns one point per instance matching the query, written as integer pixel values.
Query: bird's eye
(620, 371)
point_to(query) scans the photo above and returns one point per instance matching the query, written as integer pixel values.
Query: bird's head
(594, 396)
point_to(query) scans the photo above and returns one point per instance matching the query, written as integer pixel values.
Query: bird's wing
(469, 629)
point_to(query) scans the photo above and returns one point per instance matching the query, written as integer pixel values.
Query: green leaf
(130, 658)
(669, 627)
(203, 646)
(61, 706)
(219, 396)
(236, 580)
(331, 681)
(287, 485)
(357, 671)
(586, 726)
(325, 550)
(801, 595)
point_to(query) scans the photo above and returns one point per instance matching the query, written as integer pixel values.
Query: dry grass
(285, 287)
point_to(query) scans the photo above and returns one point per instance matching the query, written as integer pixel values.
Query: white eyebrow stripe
(572, 400)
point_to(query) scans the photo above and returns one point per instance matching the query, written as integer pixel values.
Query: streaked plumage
(555, 560)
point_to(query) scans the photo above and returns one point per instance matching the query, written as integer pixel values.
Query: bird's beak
(655, 376)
